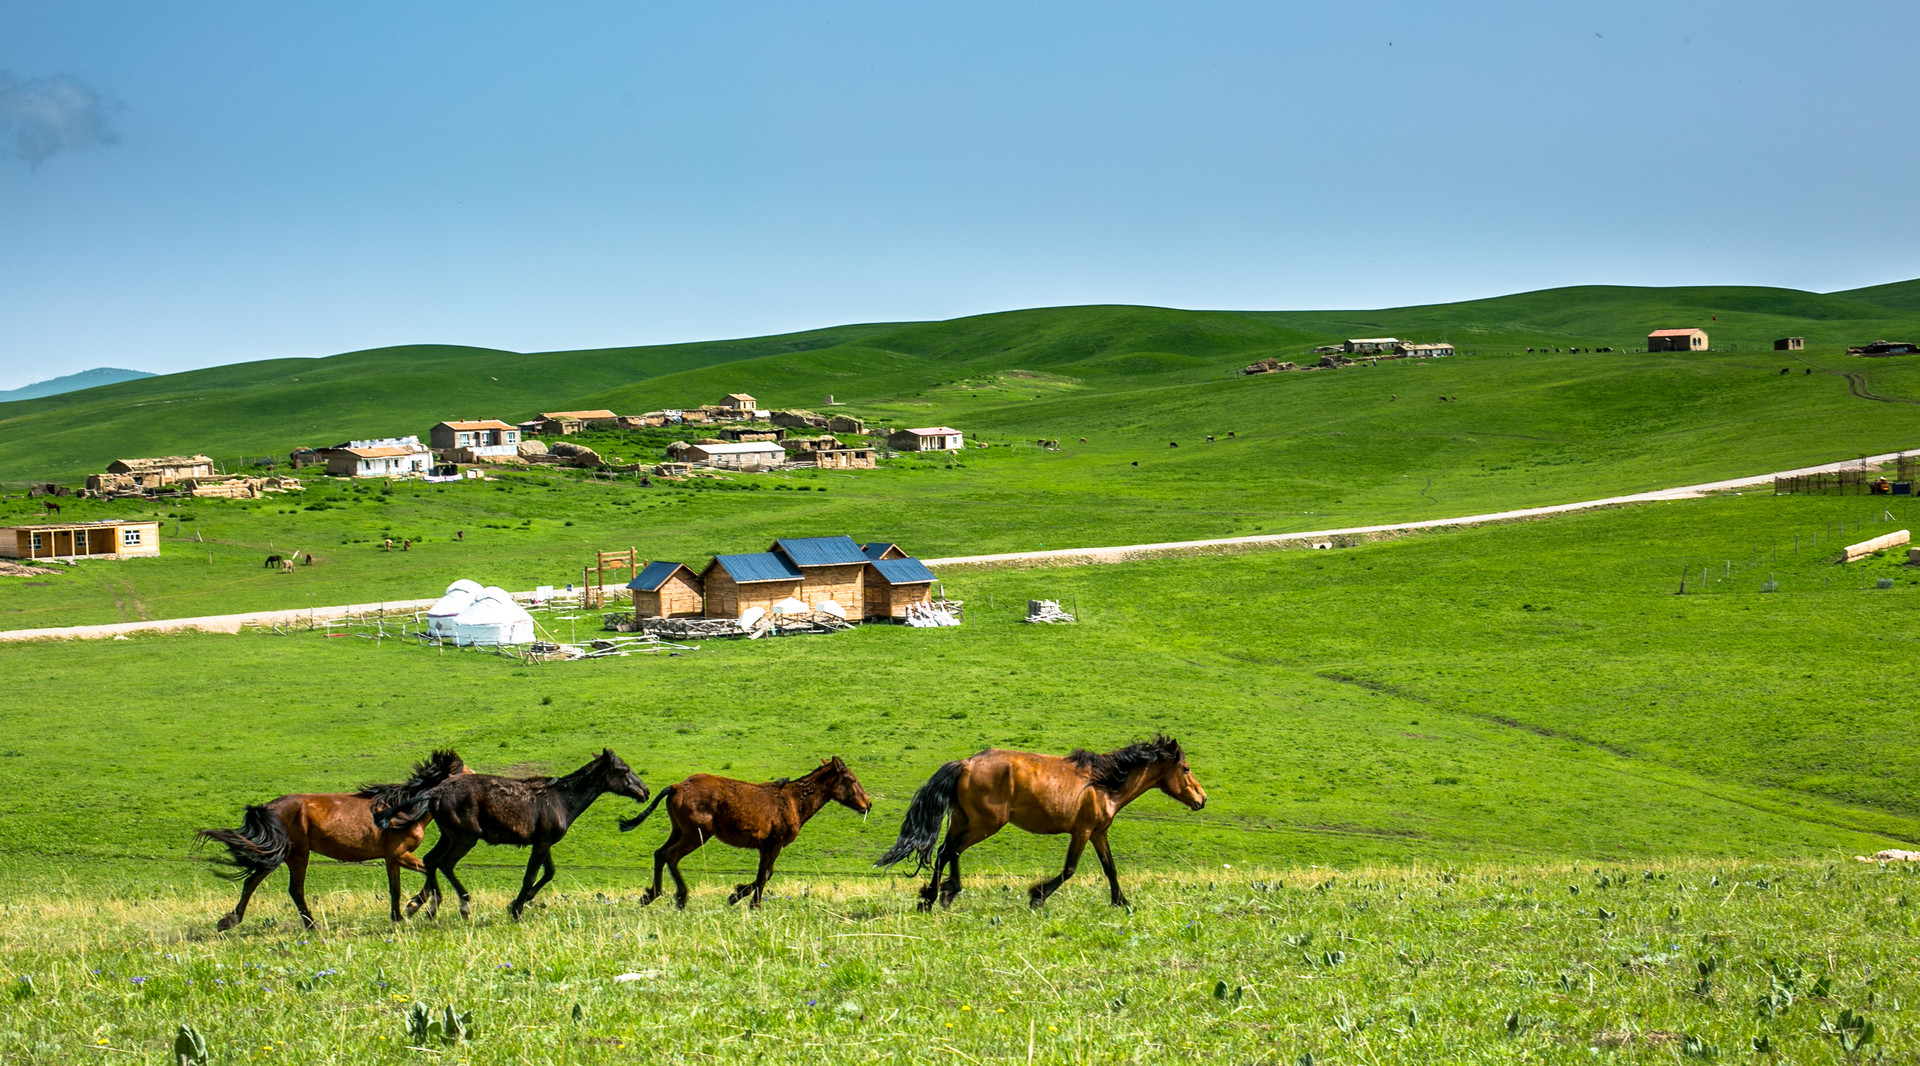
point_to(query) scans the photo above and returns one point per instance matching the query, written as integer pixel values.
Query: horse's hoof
(227, 922)
(923, 906)
(648, 897)
(679, 903)
(466, 909)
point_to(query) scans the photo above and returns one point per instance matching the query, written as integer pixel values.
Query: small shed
(82, 540)
(1790, 344)
(926, 439)
(877, 551)
(834, 569)
(667, 590)
(739, 401)
(1677, 340)
(893, 585)
(735, 583)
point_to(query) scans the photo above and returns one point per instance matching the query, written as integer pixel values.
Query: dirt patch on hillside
(8, 569)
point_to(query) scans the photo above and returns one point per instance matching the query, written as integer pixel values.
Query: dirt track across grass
(232, 623)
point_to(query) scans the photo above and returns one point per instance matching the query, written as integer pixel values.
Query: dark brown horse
(338, 825)
(764, 818)
(1046, 794)
(533, 812)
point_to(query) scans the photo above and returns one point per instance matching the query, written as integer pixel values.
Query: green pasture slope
(1307, 451)
(1552, 790)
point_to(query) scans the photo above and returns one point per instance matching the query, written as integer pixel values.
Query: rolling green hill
(268, 408)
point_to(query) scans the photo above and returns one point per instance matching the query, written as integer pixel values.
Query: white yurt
(459, 596)
(492, 618)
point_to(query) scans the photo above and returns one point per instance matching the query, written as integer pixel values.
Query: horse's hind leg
(239, 911)
(297, 884)
(687, 846)
(1038, 894)
(455, 852)
(429, 893)
(660, 864)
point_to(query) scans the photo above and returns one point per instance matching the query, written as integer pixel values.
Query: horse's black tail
(920, 830)
(258, 846)
(628, 825)
(404, 805)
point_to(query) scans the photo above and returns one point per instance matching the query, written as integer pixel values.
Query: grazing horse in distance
(533, 812)
(272, 562)
(764, 818)
(1045, 794)
(338, 825)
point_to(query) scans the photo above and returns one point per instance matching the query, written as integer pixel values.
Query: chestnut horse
(337, 825)
(764, 818)
(1046, 794)
(522, 811)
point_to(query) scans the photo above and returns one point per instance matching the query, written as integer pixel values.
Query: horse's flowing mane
(426, 773)
(1109, 772)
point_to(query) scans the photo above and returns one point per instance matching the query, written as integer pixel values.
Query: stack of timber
(1047, 611)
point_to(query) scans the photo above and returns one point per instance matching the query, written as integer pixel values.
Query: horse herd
(1076, 794)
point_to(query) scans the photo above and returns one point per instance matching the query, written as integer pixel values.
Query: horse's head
(1177, 780)
(846, 787)
(618, 778)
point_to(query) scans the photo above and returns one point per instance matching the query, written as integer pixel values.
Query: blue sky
(184, 185)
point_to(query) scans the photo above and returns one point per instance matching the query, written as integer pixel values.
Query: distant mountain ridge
(86, 379)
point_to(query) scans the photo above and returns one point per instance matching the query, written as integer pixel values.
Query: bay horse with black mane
(340, 825)
(764, 818)
(533, 812)
(1045, 794)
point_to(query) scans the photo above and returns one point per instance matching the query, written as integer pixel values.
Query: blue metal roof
(760, 566)
(653, 576)
(903, 571)
(875, 551)
(820, 551)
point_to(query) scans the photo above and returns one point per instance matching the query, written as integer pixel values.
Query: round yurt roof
(459, 596)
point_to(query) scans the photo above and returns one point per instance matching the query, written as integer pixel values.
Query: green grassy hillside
(267, 408)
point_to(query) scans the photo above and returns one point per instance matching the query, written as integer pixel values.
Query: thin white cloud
(40, 117)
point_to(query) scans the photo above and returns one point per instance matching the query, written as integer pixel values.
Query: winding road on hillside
(307, 616)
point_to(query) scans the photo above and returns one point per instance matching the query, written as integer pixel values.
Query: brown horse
(533, 812)
(764, 818)
(337, 825)
(1078, 795)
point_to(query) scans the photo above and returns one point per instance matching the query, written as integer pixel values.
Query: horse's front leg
(430, 888)
(393, 889)
(758, 885)
(1038, 894)
(537, 862)
(1105, 852)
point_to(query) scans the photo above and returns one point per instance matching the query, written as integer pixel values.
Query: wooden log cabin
(82, 540)
(734, 583)
(895, 584)
(832, 568)
(667, 590)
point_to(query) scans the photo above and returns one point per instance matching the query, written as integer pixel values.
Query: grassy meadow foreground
(1771, 961)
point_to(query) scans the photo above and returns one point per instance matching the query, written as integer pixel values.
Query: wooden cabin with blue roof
(832, 568)
(735, 583)
(895, 584)
(667, 590)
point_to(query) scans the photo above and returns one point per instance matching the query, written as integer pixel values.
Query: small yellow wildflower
(963, 1006)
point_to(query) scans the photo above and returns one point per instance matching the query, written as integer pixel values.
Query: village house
(844, 459)
(1677, 340)
(1790, 344)
(475, 442)
(667, 590)
(846, 424)
(1885, 348)
(928, 439)
(382, 457)
(108, 539)
(740, 402)
(832, 568)
(736, 583)
(1426, 351)
(745, 455)
(750, 434)
(1371, 345)
(164, 470)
